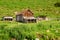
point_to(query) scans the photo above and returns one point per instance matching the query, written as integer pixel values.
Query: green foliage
(39, 7)
(44, 30)
(47, 30)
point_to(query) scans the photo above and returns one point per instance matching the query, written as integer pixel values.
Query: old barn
(25, 16)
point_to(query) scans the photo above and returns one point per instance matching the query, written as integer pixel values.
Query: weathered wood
(25, 16)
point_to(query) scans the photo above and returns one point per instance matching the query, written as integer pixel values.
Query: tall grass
(44, 30)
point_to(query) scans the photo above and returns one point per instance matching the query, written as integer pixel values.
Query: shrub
(57, 4)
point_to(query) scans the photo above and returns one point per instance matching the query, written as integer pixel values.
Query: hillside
(43, 30)
(39, 7)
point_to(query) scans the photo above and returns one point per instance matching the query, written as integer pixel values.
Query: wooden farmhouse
(25, 16)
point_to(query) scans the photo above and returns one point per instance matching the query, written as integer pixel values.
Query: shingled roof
(26, 12)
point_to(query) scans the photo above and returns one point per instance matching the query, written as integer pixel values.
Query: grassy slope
(39, 7)
(30, 29)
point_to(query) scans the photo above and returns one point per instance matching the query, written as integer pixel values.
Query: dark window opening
(32, 20)
(29, 20)
(8, 19)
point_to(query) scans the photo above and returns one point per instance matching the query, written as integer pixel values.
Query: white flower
(47, 30)
(37, 39)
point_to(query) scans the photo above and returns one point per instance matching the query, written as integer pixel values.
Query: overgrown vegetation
(44, 30)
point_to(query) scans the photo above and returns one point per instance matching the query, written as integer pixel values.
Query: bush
(57, 4)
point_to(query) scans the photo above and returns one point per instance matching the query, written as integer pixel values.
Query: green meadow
(44, 30)
(38, 7)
